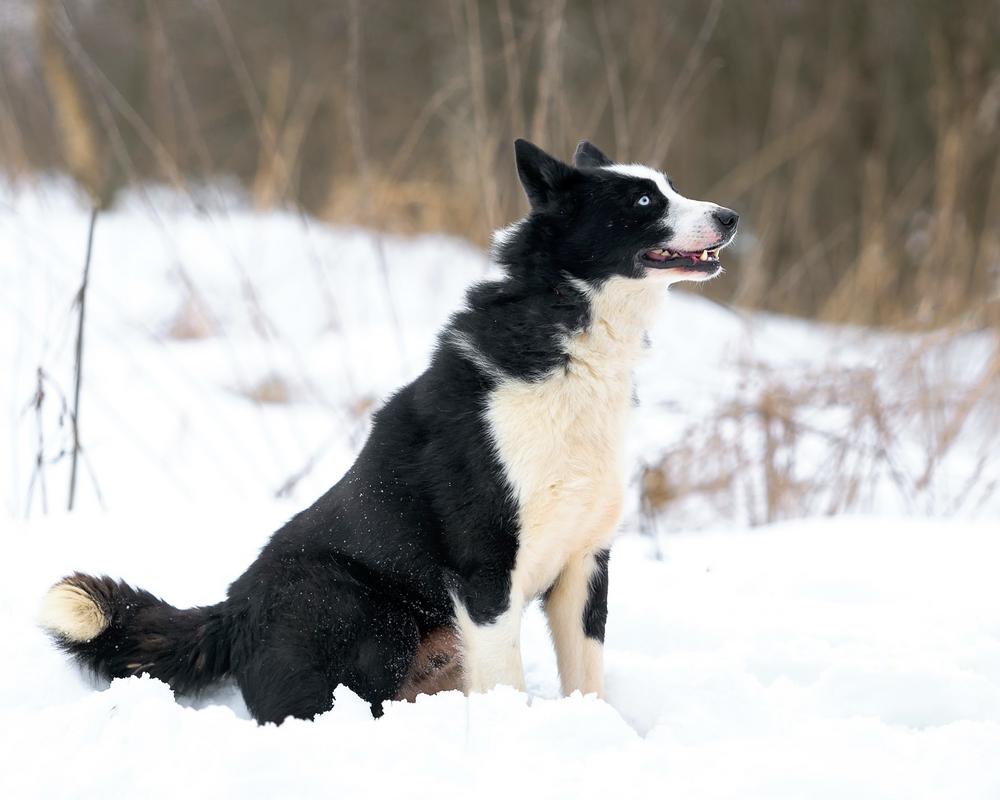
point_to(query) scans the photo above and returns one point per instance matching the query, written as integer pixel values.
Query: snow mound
(853, 657)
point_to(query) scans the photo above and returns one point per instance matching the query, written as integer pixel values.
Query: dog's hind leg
(278, 683)
(318, 641)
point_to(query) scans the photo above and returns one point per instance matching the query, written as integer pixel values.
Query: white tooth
(704, 255)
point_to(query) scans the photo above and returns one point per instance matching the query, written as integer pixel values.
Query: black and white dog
(495, 477)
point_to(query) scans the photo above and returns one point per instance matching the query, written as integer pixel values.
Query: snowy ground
(231, 355)
(843, 658)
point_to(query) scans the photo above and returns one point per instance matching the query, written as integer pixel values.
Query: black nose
(726, 218)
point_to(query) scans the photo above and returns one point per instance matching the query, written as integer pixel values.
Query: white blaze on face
(691, 221)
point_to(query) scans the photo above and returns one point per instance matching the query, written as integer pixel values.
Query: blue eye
(644, 200)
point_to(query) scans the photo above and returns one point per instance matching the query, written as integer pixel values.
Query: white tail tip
(69, 611)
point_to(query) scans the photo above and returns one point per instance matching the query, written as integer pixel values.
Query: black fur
(595, 614)
(585, 222)
(190, 649)
(587, 155)
(348, 588)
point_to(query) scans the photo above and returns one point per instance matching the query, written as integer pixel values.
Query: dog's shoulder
(516, 329)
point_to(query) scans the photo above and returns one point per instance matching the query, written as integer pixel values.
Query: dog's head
(597, 219)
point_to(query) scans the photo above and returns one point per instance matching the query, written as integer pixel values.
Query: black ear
(587, 155)
(541, 175)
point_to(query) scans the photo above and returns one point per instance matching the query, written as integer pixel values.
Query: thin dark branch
(81, 301)
(356, 124)
(39, 471)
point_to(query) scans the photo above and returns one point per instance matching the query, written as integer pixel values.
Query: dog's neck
(621, 311)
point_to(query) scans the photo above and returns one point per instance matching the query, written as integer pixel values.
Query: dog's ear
(541, 175)
(587, 155)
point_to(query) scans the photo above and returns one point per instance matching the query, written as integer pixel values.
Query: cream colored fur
(580, 658)
(70, 612)
(560, 441)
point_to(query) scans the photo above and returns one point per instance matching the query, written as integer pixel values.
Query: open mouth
(704, 261)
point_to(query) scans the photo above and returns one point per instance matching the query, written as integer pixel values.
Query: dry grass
(860, 142)
(192, 321)
(796, 443)
(270, 390)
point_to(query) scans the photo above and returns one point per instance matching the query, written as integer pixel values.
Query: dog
(496, 477)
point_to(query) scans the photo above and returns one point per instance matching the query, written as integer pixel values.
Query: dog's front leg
(577, 609)
(489, 624)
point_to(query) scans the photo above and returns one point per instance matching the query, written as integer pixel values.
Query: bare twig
(616, 91)
(549, 76)
(697, 49)
(81, 302)
(512, 65)
(357, 127)
(37, 401)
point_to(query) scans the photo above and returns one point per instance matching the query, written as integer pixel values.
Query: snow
(850, 657)
(856, 655)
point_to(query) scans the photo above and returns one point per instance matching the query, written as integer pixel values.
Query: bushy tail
(119, 631)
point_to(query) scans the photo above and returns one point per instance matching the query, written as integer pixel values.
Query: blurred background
(859, 140)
